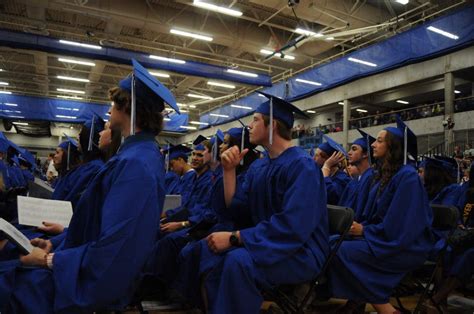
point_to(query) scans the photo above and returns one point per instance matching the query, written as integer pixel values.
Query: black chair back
(445, 217)
(340, 219)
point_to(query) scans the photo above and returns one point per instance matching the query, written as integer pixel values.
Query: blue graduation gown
(110, 235)
(171, 182)
(335, 185)
(185, 186)
(6, 175)
(356, 193)
(397, 238)
(27, 175)
(70, 187)
(288, 242)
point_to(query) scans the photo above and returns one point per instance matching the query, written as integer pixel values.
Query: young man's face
(258, 132)
(200, 159)
(356, 155)
(118, 118)
(320, 157)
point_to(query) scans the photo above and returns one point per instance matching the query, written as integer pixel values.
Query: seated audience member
(115, 222)
(178, 164)
(396, 236)
(288, 240)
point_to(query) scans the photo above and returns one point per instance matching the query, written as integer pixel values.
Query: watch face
(234, 241)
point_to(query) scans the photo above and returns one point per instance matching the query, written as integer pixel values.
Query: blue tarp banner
(414, 45)
(36, 108)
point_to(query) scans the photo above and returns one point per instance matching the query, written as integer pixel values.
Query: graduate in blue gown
(438, 177)
(357, 191)
(288, 240)
(115, 222)
(396, 236)
(66, 159)
(178, 164)
(329, 156)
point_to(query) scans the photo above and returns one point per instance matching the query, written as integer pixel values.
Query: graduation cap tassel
(405, 146)
(270, 138)
(68, 155)
(91, 135)
(133, 106)
(368, 149)
(214, 149)
(167, 158)
(242, 144)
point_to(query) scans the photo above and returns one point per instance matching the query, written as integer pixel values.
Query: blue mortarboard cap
(147, 86)
(334, 145)
(282, 110)
(325, 147)
(179, 151)
(198, 142)
(69, 141)
(440, 164)
(4, 143)
(408, 138)
(95, 124)
(368, 140)
(454, 163)
(28, 157)
(220, 135)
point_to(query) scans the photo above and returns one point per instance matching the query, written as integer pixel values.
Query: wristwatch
(234, 239)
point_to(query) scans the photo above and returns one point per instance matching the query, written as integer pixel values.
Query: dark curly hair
(148, 118)
(386, 167)
(435, 179)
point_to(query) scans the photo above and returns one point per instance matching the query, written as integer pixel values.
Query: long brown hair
(392, 161)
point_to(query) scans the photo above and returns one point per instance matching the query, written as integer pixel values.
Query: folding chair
(445, 218)
(340, 222)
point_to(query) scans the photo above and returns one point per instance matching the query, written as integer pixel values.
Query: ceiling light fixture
(219, 115)
(457, 91)
(199, 123)
(403, 102)
(329, 38)
(310, 111)
(242, 107)
(191, 35)
(4, 83)
(20, 123)
(216, 8)
(70, 97)
(212, 83)
(402, 1)
(66, 60)
(172, 60)
(199, 96)
(277, 54)
(159, 74)
(181, 105)
(5, 92)
(11, 105)
(69, 78)
(74, 43)
(308, 82)
(341, 103)
(242, 73)
(361, 110)
(188, 127)
(65, 117)
(75, 91)
(370, 64)
(192, 106)
(307, 32)
(442, 32)
(19, 117)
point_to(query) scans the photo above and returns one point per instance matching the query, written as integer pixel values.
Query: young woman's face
(225, 144)
(380, 145)
(58, 157)
(105, 137)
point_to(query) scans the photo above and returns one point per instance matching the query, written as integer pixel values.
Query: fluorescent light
(69, 78)
(5, 92)
(457, 91)
(14, 111)
(218, 115)
(269, 52)
(159, 74)
(441, 32)
(329, 38)
(403, 102)
(192, 106)
(182, 110)
(20, 123)
(172, 60)
(199, 123)
(181, 105)
(191, 35)
(310, 111)
(361, 110)
(10, 104)
(309, 82)
(221, 84)
(92, 64)
(1, 70)
(73, 43)
(307, 32)
(341, 103)
(19, 117)
(242, 73)
(4, 83)
(402, 1)
(65, 117)
(242, 107)
(69, 97)
(370, 64)
(216, 8)
(188, 127)
(70, 109)
(199, 96)
(166, 119)
(65, 90)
